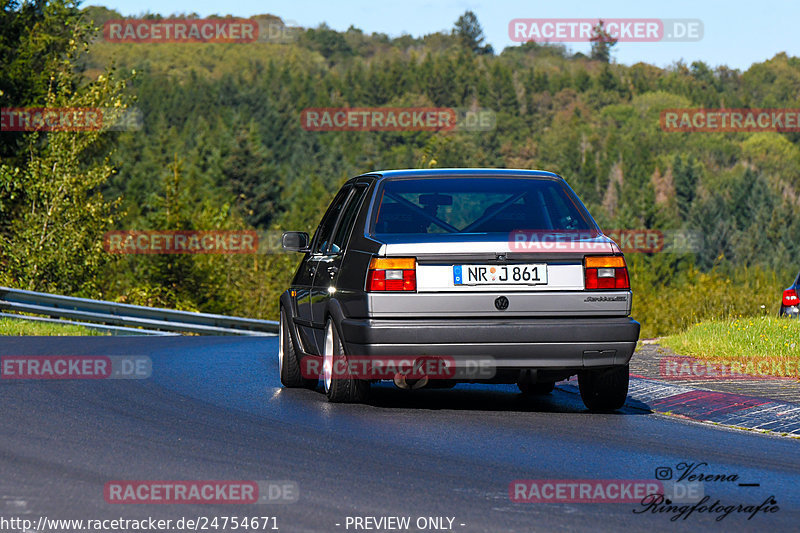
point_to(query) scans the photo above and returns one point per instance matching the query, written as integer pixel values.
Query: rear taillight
(606, 272)
(392, 274)
(790, 297)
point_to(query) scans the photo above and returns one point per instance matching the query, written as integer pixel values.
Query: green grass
(769, 341)
(666, 303)
(12, 326)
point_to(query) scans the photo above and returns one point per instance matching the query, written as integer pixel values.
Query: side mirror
(295, 241)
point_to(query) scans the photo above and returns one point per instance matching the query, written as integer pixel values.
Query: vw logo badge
(501, 303)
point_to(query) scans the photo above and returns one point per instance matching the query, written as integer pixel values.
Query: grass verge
(754, 344)
(13, 326)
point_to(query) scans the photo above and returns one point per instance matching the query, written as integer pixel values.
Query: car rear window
(477, 205)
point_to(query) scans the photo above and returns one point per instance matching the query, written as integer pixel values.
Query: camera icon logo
(663, 473)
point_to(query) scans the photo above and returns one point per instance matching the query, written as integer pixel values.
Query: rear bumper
(513, 343)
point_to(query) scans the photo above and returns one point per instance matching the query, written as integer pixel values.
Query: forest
(220, 146)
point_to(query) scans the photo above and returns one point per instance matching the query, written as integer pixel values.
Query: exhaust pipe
(401, 382)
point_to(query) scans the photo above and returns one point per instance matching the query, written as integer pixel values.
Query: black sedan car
(429, 278)
(790, 303)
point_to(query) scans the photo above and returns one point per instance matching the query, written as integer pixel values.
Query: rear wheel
(339, 386)
(604, 390)
(288, 361)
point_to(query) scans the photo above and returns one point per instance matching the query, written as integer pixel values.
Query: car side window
(328, 224)
(347, 220)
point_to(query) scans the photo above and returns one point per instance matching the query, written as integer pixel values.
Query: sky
(735, 33)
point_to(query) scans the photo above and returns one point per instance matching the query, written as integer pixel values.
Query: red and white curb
(724, 408)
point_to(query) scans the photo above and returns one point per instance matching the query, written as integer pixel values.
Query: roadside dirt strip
(760, 403)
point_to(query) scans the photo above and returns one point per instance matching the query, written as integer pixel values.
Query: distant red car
(790, 305)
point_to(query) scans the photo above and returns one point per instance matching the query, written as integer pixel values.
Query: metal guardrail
(111, 330)
(112, 313)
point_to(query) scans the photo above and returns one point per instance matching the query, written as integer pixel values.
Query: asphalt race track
(214, 409)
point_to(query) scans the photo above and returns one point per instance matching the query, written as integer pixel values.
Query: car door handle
(312, 270)
(333, 270)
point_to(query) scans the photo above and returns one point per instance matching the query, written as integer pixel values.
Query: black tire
(288, 362)
(604, 390)
(341, 388)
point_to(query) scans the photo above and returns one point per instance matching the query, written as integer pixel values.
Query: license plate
(500, 274)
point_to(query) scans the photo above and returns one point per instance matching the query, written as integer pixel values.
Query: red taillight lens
(790, 297)
(392, 274)
(377, 280)
(606, 272)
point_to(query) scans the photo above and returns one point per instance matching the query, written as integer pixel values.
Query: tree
(470, 34)
(327, 42)
(52, 214)
(685, 175)
(33, 36)
(602, 43)
(252, 178)
(500, 94)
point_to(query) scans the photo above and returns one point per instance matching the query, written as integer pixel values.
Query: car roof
(460, 172)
